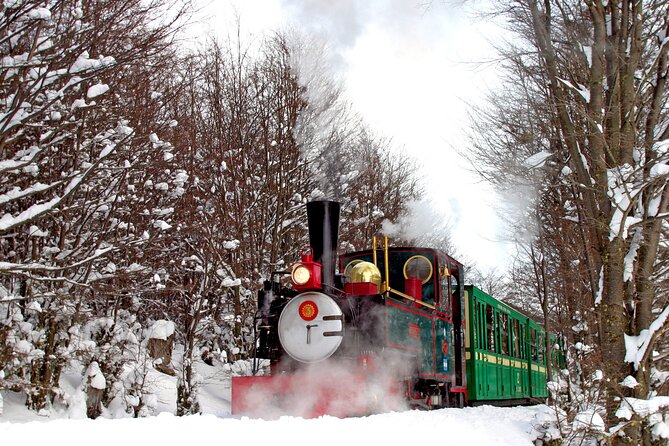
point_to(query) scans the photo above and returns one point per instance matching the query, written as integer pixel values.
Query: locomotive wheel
(427, 395)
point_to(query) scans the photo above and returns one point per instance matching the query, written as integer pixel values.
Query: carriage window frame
(523, 341)
(541, 347)
(482, 333)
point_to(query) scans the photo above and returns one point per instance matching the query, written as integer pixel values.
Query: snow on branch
(637, 346)
(537, 160)
(581, 89)
(24, 160)
(8, 221)
(623, 194)
(17, 193)
(84, 63)
(584, 163)
(643, 408)
(631, 256)
(38, 267)
(600, 286)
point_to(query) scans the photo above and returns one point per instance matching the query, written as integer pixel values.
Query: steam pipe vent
(323, 217)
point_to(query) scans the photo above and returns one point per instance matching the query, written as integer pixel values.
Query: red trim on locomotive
(402, 347)
(361, 289)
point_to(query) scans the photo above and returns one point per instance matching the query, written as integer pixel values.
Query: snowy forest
(148, 188)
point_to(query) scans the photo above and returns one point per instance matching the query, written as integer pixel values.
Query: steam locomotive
(397, 328)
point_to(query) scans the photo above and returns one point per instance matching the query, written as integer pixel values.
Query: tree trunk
(161, 349)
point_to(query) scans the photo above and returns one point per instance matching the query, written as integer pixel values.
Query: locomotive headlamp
(306, 274)
(300, 275)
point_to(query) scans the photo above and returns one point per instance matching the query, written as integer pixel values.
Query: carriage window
(504, 333)
(477, 325)
(533, 344)
(516, 341)
(482, 327)
(541, 347)
(490, 326)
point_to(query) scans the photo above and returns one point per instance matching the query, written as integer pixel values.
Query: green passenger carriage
(504, 350)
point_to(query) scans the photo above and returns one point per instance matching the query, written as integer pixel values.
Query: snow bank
(484, 425)
(474, 426)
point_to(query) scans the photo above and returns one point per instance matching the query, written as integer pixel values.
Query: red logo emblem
(308, 310)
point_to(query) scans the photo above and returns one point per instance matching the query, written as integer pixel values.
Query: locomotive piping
(376, 263)
(385, 261)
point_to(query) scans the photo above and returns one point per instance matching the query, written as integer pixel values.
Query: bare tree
(591, 116)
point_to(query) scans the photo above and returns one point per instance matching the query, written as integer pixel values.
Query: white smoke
(326, 388)
(316, 67)
(422, 225)
(343, 22)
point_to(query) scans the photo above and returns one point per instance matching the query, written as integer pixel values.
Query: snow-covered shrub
(550, 423)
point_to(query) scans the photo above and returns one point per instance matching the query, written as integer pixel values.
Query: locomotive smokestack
(323, 217)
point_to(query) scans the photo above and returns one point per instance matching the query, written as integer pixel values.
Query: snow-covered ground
(472, 426)
(67, 425)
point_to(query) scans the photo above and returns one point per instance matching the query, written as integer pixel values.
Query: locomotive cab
(423, 318)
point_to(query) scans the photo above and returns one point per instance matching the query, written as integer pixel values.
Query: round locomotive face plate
(306, 330)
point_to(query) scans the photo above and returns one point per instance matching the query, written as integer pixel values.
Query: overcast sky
(409, 68)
